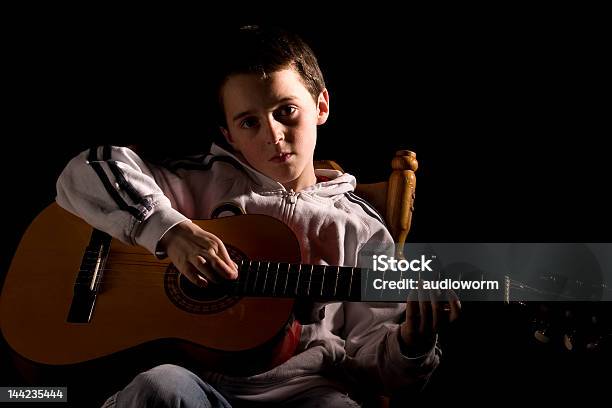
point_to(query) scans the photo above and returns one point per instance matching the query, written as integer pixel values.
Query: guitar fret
(309, 281)
(259, 287)
(344, 283)
(328, 289)
(263, 289)
(246, 281)
(323, 281)
(256, 276)
(351, 282)
(401, 278)
(292, 275)
(337, 276)
(241, 276)
(297, 282)
(315, 282)
(318, 280)
(275, 278)
(286, 279)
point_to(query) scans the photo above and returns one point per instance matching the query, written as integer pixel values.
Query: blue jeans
(167, 386)
(173, 386)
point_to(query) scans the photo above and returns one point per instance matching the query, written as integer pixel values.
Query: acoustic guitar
(73, 294)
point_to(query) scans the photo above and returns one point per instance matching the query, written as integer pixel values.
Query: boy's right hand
(198, 254)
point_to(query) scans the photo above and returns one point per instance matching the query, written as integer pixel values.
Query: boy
(272, 98)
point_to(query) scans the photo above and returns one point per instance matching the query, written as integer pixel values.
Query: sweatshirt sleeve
(372, 342)
(114, 190)
(373, 352)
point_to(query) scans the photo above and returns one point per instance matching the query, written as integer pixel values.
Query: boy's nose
(274, 132)
(276, 138)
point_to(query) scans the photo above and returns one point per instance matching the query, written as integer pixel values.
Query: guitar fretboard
(272, 279)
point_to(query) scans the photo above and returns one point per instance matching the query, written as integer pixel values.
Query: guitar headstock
(565, 314)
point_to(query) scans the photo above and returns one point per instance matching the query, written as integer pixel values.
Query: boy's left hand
(425, 317)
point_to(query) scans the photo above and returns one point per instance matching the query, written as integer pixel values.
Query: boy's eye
(248, 123)
(286, 110)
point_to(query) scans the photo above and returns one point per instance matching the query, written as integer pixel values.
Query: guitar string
(156, 281)
(152, 278)
(164, 266)
(522, 285)
(139, 284)
(514, 284)
(552, 295)
(578, 283)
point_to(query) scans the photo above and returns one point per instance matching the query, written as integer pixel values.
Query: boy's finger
(202, 281)
(436, 309)
(204, 269)
(222, 269)
(412, 315)
(424, 310)
(194, 276)
(225, 256)
(413, 296)
(454, 304)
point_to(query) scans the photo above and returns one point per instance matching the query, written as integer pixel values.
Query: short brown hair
(262, 51)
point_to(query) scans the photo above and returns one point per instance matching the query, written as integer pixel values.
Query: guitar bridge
(88, 278)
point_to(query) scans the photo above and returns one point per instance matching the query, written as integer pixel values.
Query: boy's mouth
(281, 157)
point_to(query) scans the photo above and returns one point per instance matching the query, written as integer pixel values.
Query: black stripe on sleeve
(106, 152)
(367, 207)
(95, 164)
(123, 183)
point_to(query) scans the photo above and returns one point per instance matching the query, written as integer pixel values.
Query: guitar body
(140, 299)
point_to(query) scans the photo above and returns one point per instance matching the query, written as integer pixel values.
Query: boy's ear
(323, 107)
(228, 137)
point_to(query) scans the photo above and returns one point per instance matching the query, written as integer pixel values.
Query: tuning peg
(542, 335)
(543, 324)
(569, 329)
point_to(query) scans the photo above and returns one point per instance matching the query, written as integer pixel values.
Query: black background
(507, 110)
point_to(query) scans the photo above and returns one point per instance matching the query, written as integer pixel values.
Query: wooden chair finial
(400, 195)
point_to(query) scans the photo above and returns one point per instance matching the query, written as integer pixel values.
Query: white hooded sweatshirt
(114, 190)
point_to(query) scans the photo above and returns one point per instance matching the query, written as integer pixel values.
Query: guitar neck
(321, 282)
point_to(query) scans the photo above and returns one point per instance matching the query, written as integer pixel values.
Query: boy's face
(273, 122)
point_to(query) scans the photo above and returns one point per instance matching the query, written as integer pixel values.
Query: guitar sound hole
(194, 299)
(212, 292)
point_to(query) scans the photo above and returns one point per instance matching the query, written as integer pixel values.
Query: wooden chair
(394, 199)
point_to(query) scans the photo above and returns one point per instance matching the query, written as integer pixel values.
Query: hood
(337, 183)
